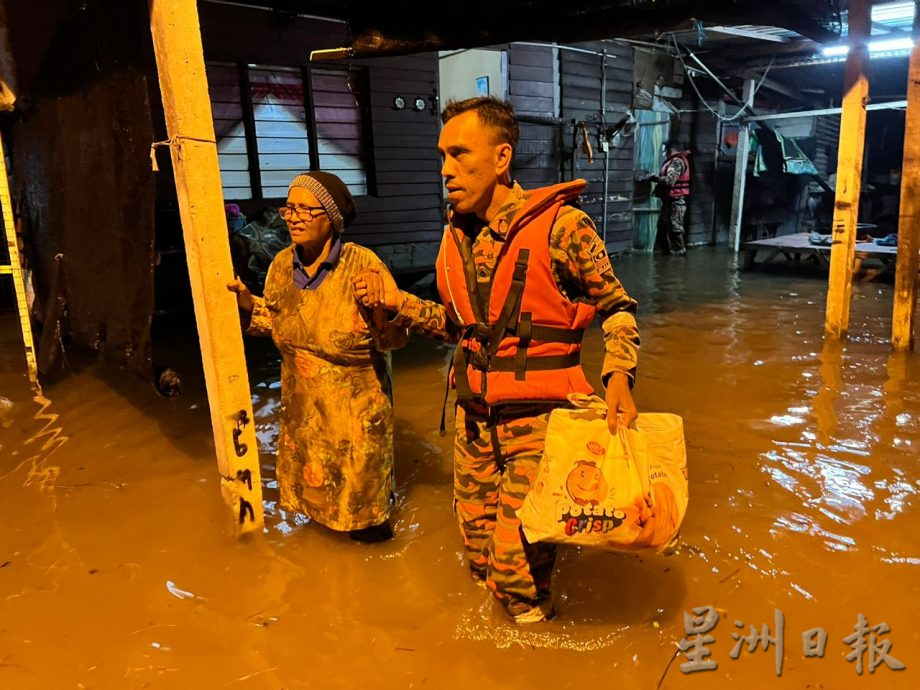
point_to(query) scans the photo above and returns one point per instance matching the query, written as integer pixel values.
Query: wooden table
(794, 247)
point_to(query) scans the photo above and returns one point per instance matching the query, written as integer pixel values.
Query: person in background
(674, 191)
(335, 448)
(521, 275)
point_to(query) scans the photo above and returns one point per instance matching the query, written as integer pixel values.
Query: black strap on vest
(507, 319)
(443, 427)
(524, 334)
(464, 246)
(535, 363)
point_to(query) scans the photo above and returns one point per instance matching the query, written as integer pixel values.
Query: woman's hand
(243, 296)
(376, 289)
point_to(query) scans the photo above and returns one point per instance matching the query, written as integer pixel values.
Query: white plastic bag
(618, 493)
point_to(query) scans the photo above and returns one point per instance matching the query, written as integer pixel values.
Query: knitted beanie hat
(332, 194)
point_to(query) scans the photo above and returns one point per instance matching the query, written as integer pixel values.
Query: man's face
(473, 163)
(310, 224)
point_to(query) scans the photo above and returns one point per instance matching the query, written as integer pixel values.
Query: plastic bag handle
(640, 461)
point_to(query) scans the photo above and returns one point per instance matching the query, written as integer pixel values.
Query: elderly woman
(335, 449)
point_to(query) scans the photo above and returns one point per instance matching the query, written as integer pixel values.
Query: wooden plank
(615, 50)
(540, 160)
(573, 95)
(518, 87)
(376, 204)
(408, 119)
(531, 58)
(384, 99)
(534, 178)
(528, 48)
(377, 237)
(401, 189)
(532, 105)
(534, 147)
(409, 74)
(333, 99)
(421, 86)
(532, 131)
(905, 281)
(593, 72)
(405, 164)
(407, 142)
(544, 74)
(180, 64)
(429, 214)
(413, 60)
(849, 173)
(386, 177)
(425, 128)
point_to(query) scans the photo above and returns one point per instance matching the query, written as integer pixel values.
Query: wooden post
(905, 281)
(180, 64)
(849, 174)
(742, 152)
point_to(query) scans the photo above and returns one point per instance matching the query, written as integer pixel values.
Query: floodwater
(117, 570)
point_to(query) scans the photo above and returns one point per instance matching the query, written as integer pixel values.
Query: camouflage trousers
(495, 459)
(671, 224)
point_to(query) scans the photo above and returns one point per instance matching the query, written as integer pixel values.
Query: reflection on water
(804, 482)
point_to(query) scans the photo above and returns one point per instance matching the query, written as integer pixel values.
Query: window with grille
(269, 128)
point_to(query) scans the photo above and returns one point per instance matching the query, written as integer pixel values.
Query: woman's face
(307, 220)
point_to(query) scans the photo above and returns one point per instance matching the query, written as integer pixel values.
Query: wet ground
(116, 570)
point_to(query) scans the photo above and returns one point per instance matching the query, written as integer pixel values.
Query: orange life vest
(681, 186)
(521, 341)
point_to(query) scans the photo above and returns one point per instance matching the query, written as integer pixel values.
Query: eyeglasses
(302, 212)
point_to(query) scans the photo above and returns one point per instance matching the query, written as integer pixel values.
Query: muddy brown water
(116, 570)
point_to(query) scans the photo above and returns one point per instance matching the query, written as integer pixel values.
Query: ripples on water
(803, 471)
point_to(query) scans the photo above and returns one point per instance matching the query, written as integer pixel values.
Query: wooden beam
(905, 281)
(742, 152)
(849, 174)
(180, 65)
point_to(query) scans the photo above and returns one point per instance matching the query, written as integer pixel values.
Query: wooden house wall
(710, 190)
(580, 91)
(533, 90)
(401, 216)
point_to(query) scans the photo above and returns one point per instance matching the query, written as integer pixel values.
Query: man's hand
(376, 289)
(243, 296)
(620, 406)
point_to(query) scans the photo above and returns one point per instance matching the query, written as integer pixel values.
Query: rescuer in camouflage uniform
(674, 191)
(499, 444)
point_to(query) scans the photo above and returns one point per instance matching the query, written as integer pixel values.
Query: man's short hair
(497, 114)
(673, 145)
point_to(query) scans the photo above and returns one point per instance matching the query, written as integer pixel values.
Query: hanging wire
(747, 106)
